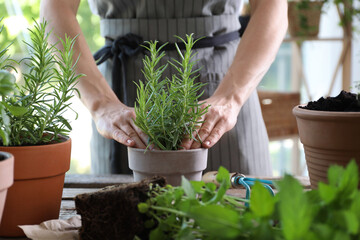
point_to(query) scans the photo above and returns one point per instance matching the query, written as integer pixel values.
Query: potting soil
(344, 102)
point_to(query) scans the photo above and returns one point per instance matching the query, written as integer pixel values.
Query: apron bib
(244, 148)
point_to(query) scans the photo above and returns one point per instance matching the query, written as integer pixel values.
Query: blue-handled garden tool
(241, 181)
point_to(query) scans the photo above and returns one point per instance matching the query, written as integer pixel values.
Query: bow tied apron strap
(120, 49)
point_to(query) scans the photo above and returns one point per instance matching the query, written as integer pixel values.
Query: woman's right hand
(114, 120)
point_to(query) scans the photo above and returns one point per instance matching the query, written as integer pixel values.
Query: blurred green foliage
(18, 15)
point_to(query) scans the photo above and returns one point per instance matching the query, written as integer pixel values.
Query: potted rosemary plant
(35, 132)
(167, 110)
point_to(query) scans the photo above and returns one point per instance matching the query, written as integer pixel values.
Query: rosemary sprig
(168, 110)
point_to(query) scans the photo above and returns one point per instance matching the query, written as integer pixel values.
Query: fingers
(214, 127)
(187, 142)
(142, 136)
(216, 133)
(119, 126)
(133, 136)
(204, 132)
(121, 137)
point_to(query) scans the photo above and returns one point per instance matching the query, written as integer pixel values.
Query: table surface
(79, 183)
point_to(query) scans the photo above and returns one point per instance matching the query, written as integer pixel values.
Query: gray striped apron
(244, 148)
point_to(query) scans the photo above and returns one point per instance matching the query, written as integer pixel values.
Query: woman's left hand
(220, 118)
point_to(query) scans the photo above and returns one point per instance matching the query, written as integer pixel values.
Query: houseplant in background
(38, 132)
(167, 110)
(304, 17)
(329, 130)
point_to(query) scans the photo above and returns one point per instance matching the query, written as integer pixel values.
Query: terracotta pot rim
(307, 114)
(66, 139)
(167, 151)
(39, 161)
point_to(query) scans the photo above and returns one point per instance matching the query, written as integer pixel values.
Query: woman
(232, 70)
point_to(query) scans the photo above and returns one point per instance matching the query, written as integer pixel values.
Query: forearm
(61, 18)
(256, 51)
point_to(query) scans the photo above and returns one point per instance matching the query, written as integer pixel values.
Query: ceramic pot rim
(311, 114)
(6, 170)
(7, 155)
(167, 151)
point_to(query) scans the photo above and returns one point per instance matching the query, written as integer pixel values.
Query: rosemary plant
(167, 110)
(36, 111)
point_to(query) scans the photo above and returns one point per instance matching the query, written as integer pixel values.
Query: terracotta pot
(170, 164)
(307, 16)
(38, 183)
(328, 138)
(6, 177)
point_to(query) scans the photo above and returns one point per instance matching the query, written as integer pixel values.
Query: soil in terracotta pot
(112, 212)
(344, 102)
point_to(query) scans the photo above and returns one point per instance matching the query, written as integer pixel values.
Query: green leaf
(5, 137)
(355, 205)
(340, 235)
(198, 186)
(323, 231)
(188, 188)
(157, 234)
(218, 221)
(295, 211)
(262, 203)
(210, 186)
(223, 177)
(7, 82)
(65, 122)
(17, 111)
(335, 174)
(350, 179)
(351, 221)
(327, 193)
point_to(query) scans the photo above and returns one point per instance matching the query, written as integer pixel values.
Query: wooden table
(77, 183)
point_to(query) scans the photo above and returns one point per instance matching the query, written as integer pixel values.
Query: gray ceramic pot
(170, 164)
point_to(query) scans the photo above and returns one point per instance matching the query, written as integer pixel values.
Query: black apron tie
(119, 50)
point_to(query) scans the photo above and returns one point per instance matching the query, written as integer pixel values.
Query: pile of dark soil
(344, 102)
(112, 212)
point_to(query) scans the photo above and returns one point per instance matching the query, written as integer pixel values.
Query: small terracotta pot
(329, 138)
(170, 164)
(38, 184)
(6, 177)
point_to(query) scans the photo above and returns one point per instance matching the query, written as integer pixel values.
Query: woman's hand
(254, 55)
(114, 120)
(220, 118)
